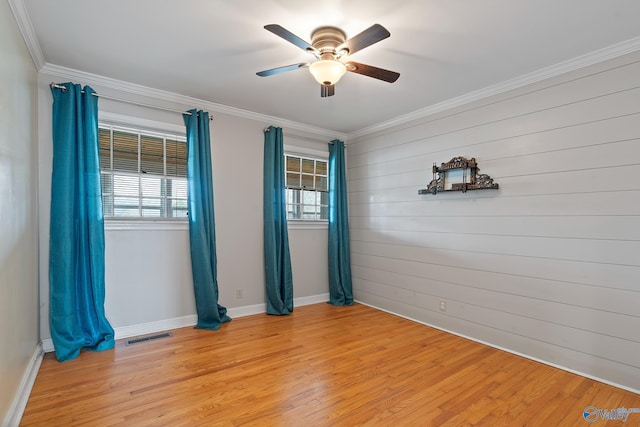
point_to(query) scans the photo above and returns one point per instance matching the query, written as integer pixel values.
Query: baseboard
(140, 329)
(313, 299)
(249, 310)
(47, 345)
(526, 356)
(246, 310)
(190, 320)
(14, 415)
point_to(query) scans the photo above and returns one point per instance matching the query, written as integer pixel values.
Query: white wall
(549, 265)
(147, 275)
(18, 213)
(148, 271)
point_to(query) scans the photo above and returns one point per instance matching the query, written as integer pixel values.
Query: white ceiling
(212, 49)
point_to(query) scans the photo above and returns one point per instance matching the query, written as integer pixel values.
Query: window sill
(111, 224)
(297, 224)
(148, 224)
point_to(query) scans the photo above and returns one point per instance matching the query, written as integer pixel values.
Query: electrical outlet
(443, 306)
(239, 293)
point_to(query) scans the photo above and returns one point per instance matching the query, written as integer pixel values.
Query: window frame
(308, 153)
(146, 126)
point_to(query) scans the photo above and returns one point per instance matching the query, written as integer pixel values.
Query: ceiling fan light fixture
(327, 71)
(331, 48)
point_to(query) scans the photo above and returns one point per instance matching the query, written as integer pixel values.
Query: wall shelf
(458, 174)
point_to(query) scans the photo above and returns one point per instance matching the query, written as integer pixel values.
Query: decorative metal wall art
(458, 174)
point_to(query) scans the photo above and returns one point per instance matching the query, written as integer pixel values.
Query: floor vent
(148, 338)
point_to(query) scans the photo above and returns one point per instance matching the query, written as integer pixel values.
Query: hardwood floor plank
(323, 365)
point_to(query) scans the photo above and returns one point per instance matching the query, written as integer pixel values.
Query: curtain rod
(63, 88)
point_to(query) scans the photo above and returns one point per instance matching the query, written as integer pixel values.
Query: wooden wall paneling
(589, 162)
(593, 319)
(579, 227)
(614, 106)
(521, 103)
(614, 252)
(608, 130)
(606, 276)
(592, 180)
(473, 204)
(614, 300)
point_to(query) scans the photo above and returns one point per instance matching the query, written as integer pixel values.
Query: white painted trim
(140, 329)
(157, 326)
(300, 224)
(247, 310)
(28, 34)
(262, 308)
(517, 353)
(582, 61)
(186, 101)
(47, 345)
(303, 151)
(313, 299)
(190, 320)
(112, 119)
(112, 224)
(14, 414)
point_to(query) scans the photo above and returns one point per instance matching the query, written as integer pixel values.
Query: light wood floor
(323, 365)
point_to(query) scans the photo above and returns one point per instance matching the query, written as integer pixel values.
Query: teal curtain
(340, 287)
(76, 234)
(277, 259)
(202, 231)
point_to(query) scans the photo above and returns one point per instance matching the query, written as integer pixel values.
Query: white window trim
(301, 224)
(306, 152)
(137, 123)
(149, 126)
(127, 224)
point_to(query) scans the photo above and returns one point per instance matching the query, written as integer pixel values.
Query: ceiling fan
(330, 46)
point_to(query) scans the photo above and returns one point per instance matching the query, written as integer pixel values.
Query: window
(143, 174)
(307, 193)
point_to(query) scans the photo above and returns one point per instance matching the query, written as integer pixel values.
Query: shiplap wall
(549, 264)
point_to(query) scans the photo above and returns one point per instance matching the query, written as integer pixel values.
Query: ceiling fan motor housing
(326, 40)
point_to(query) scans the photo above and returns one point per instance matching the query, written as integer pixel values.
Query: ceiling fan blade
(371, 71)
(278, 70)
(291, 38)
(371, 35)
(327, 90)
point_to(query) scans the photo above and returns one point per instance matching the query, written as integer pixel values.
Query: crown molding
(56, 71)
(601, 55)
(28, 34)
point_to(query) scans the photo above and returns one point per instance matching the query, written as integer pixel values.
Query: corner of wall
(14, 415)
